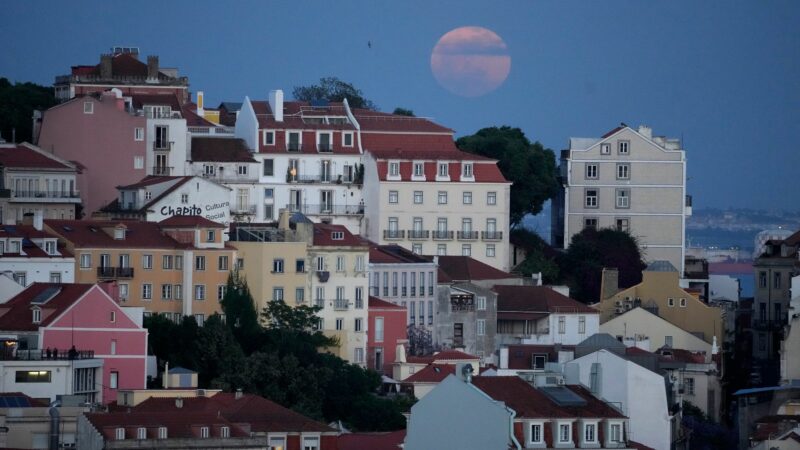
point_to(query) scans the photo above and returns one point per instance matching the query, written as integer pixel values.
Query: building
(514, 414)
(97, 345)
(386, 440)
(31, 255)
(697, 378)
(27, 421)
(406, 366)
(178, 267)
(121, 69)
(33, 181)
(629, 180)
(643, 328)
(660, 293)
(540, 315)
(774, 270)
(222, 420)
(386, 330)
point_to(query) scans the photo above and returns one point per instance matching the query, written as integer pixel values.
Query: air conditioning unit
(627, 299)
(201, 392)
(618, 303)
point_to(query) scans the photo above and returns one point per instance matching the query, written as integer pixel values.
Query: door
(161, 167)
(326, 202)
(295, 200)
(458, 334)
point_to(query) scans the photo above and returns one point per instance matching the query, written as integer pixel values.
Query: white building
(30, 255)
(630, 180)
(404, 278)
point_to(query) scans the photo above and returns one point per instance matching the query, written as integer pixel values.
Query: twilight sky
(725, 76)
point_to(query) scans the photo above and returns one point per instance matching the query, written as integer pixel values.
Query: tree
(539, 257)
(239, 308)
(334, 90)
(529, 166)
(403, 112)
(17, 102)
(592, 250)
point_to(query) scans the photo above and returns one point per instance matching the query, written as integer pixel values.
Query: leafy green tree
(592, 250)
(17, 102)
(239, 308)
(334, 90)
(219, 357)
(529, 166)
(540, 257)
(403, 112)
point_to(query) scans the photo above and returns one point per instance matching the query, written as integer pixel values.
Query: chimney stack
(152, 67)
(105, 67)
(276, 104)
(179, 402)
(200, 111)
(238, 394)
(646, 131)
(609, 283)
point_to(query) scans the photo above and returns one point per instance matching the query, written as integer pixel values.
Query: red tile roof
(323, 236)
(432, 373)
(531, 403)
(376, 303)
(612, 132)
(189, 222)
(149, 181)
(447, 152)
(189, 112)
(171, 100)
(16, 315)
(390, 440)
(90, 234)
(638, 446)
(483, 171)
(376, 121)
(446, 355)
(26, 156)
(184, 425)
(537, 299)
(207, 149)
(395, 254)
(681, 355)
(465, 268)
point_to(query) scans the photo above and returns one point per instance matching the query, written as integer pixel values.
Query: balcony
(467, 235)
(491, 235)
(228, 176)
(442, 235)
(327, 210)
(162, 146)
(115, 272)
(341, 304)
(243, 209)
(394, 234)
(45, 355)
(324, 148)
(294, 147)
(162, 170)
(418, 234)
(42, 196)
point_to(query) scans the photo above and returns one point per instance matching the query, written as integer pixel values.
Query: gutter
(513, 438)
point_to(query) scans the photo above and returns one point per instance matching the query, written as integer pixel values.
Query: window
(166, 262)
(394, 169)
(590, 200)
(86, 260)
(199, 292)
(184, 198)
(359, 298)
(339, 324)
(481, 327)
(138, 162)
(536, 433)
(320, 263)
(417, 197)
(467, 170)
(358, 325)
(221, 290)
(123, 291)
(178, 262)
(166, 291)
(55, 277)
(670, 302)
(340, 263)
(689, 385)
(444, 170)
(419, 170)
(430, 312)
(225, 432)
(33, 376)
(564, 432)
(430, 283)
(277, 265)
(623, 224)
(222, 262)
(623, 147)
(562, 324)
(88, 108)
(276, 443)
(623, 198)
(623, 171)
(590, 222)
(467, 198)
(776, 280)
(605, 149)
(37, 315)
(379, 329)
(320, 299)
(581, 325)
(269, 167)
(683, 303)
(442, 197)
(147, 291)
(148, 195)
(667, 341)
(162, 432)
(416, 248)
(441, 250)
(114, 383)
(591, 171)
(269, 137)
(300, 265)
(360, 263)
(412, 313)
(200, 263)
(490, 250)
(589, 432)
(203, 432)
(50, 247)
(491, 198)
(466, 250)
(312, 442)
(337, 235)
(113, 350)
(393, 196)
(347, 139)
(294, 142)
(147, 261)
(324, 141)
(762, 279)
(120, 434)
(615, 432)
(299, 295)
(481, 304)
(277, 294)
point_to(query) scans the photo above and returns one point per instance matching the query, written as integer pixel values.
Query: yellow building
(177, 267)
(660, 293)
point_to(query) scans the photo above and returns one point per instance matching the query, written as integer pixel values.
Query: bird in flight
(369, 44)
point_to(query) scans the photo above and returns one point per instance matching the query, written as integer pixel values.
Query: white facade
(42, 264)
(628, 180)
(195, 196)
(556, 328)
(166, 137)
(639, 392)
(407, 284)
(45, 379)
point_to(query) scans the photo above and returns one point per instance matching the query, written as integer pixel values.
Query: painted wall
(394, 331)
(205, 198)
(640, 322)
(39, 270)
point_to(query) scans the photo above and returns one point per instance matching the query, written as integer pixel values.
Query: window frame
(591, 198)
(592, 172)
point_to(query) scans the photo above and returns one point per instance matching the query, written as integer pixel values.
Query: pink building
(105, 140)
(387, 328)
(49, 316)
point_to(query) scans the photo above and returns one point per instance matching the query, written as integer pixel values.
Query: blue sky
(725, 76)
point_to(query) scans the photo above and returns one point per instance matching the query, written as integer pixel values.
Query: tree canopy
(539, 258)
(334, 90)
(17, 102)
(403, 112)
(529, 166)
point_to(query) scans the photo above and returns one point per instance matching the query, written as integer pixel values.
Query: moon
(470, 61)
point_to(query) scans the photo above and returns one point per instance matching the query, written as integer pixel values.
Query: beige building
(177, 267)
(630, 180)
(25, 422)
(641, 328)
(660, 293)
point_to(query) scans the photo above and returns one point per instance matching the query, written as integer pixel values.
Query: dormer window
(242, 169)
(294, 141)
(444, 170)
(162, 432)
(269, 137)
(203, 432)
(50, 247)
(605, 149)
(347, 139)
(337, 235)
(615, 433)
(210, 236)
(119, 233)
(120, 434)
(37, 315)
(225, 432)
(564, 433)
(141, 433)
(394, 169)
(419, 169)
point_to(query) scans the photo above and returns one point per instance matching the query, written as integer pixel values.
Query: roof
(793, 240)
(532, 403)
(19, 400)
(29, 249)
(638, 446)
(230, 106)
(263, 415)
(519, 356)
(189, 222)
(465, 268)
(52, 298)
(432, 373)
(180, 371)
(149, 181)
(389, 440)
(484, 171)
(376, 303)
(91, 234)
(680, 355)
(661, 266)
(189, 112)
(183, 425)
(537, 299)
(171, 100)
(27, 156)
(324, 236)
(444, 152)
(446, 355)
(395, 254)
(207, 149)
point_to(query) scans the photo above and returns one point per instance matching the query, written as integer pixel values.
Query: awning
(520, 315)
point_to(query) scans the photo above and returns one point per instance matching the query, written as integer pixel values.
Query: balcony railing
(44, 196)
(491, 235)
(442, 235)
(163, 146)
(467, 235)
(309, 179)
(115, 272)
(293, 147)
(341, 304)
(327, 210)
(162, 170)
(419, 234)
(324, 148)
(394, 234)
(46, 354)
(229, 176)
(765, 324)
(243, 209)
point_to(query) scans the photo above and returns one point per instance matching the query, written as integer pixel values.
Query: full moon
(470, 61)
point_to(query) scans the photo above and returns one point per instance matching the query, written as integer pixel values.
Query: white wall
(643, 323)
(206, 198)
(247, 125)
(37, 270)
(61, 373)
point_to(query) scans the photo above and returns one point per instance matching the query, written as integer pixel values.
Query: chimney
(646, 131)
(503, 358)
(152, 67)
(276, 104)
(609, 283)
(200, 111)
(238, 394)
(179, 402)
(400, 355)
(105, 67)
(110, 287)
(38, 220)
(165, 377)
